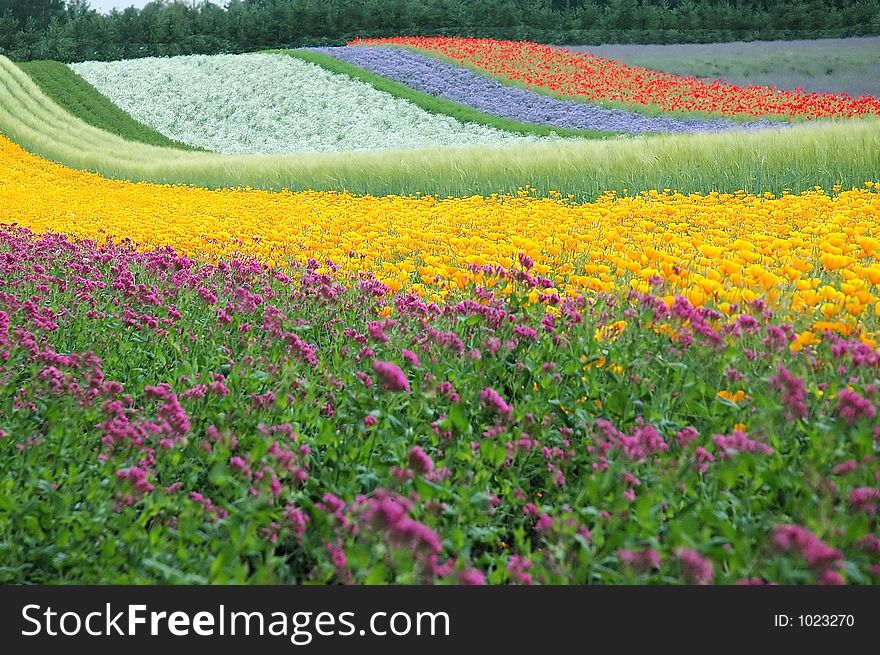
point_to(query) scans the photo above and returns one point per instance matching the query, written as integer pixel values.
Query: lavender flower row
(442, 79)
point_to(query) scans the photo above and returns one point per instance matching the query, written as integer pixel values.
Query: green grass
(796, 158)
(82, 100)
(434, 104)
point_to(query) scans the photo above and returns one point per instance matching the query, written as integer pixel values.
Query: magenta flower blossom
(738, 442)
(275, 485)
(419, 461)
(800, 541)
(525, 332)
(845, 467)
(238, 464)
(641, 561)
(870, 543)
(338, 557)
(173, 420)
(410, 356)
(520, 466)
(642, 443)
(686, 436)
(702, 459)
(544, 523)
(695, 568)
(793, 392)
(198, 391)
(376, 329)
(263, 400)
(391, 376)
(388, 513)
(852, 407)
(490, 398)
(297, 519)
(136, 477)
(831, 577)
(446, 389)
(864, 499)
(471, 577)
(518, 567)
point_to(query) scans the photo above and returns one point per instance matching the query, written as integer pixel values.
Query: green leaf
(458, 417)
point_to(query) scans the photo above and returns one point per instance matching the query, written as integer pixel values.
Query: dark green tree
(74, 31)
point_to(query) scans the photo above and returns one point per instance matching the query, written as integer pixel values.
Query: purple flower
(544, 523)
(864, 499)
(695, 568)
(137, 477)
(793, 393)
(275, 485)
(686, 436)
(236, 463)
(702, 459)
(297, 519)
(419, 461)
(642, 561)
(410, 356)
(490, 398)
(471, 577)
(831, 577)
(851, 406)
(390, 514)
(729, 445)
(845, 467)
(798, 540)
(391, 376)
(518, 567)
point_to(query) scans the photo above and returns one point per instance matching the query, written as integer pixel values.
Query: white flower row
(263, 103)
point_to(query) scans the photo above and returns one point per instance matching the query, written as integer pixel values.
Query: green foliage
(82, 100)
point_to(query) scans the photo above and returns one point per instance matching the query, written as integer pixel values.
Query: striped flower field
(595, 79)
(528, 386)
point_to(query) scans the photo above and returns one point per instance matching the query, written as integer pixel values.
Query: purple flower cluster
(696, 569)
(445, 80)
(818, 555)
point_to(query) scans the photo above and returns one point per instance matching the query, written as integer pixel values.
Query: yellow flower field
(814, 252)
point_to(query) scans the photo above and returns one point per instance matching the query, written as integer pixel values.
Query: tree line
(73, 31)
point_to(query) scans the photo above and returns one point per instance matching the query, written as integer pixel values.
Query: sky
(104, 6)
